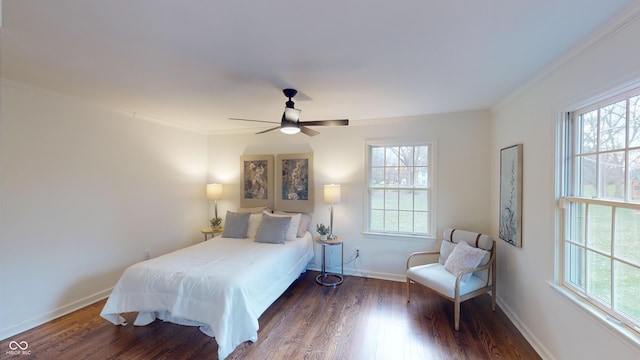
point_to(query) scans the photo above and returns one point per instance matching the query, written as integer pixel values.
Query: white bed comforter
(222, 285)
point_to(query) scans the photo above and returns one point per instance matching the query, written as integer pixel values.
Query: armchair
(463, 271)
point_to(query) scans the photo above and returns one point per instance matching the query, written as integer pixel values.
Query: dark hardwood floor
(360, 319)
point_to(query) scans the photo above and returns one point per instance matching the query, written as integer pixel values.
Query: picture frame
(294, 182)
(510, 225)
(256, 180)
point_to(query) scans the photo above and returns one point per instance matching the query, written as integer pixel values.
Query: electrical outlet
(357, 252)
(147, 254)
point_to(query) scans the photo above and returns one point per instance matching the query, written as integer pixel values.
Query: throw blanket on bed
(222, 285)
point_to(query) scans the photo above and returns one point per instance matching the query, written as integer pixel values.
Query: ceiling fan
(291, 124)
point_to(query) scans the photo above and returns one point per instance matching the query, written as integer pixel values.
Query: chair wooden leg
(408, 290)
(456, 314)
(493, 299)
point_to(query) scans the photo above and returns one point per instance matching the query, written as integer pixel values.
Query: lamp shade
(214, 191)
(332, 194)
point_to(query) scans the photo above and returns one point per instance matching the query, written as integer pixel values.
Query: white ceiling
(198, 62)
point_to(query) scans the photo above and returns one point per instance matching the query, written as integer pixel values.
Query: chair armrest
(420, 253)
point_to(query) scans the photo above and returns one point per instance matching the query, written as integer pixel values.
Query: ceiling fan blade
(307, 131)
(262, 121)
(264, 131)
(338, 122)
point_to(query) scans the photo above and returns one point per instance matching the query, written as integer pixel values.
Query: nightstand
(211, 231)
(325, 278)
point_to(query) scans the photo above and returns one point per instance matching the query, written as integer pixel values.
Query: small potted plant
(215, 222)
(323, 231)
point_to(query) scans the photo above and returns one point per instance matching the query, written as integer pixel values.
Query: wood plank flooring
(360, 319)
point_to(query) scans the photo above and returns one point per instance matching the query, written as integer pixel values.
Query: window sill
(612, 325)
(399, 237)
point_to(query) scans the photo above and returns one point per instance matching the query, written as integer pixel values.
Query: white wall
(463, 175)
(84, 192)
(555, 326)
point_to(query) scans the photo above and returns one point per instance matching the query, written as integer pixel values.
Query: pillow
(255, 210)
(236, 225)
(292, 231)
(305, 221)
(272, 229)
(254, 222)
(445, 250)
(463, 257)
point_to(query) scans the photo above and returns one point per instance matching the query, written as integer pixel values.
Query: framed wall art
(510, 227)
(294, 182)
(256, 180)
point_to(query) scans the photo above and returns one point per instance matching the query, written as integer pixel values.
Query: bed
(222, 285)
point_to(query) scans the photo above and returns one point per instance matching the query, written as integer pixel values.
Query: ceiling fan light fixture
(291, 114)
(289, 129)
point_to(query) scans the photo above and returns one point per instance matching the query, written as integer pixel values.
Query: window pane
(377, 156)
(406, 155)
(391, 155)
(421, 176)
(627, 240)
(627, 290)
(599, 270)
(612, 181)
(634, 175)
(599, 228)
(391, 176)
(377, 176)
(634, 121)
(577, 223)
(390, 220)
(421, 156)
(421, 200)
(406, 200)
(406, 221)
(574, 265)
(613, 126)
(377, 220)
(377, 199)
(586, 176)
(391, 199)
(588, 131)
(421, 222)
(406, 176)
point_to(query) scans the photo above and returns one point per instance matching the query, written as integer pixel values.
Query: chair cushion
(436, 277)
(446, 247)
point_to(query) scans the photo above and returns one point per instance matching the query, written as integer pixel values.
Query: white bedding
(222, 285)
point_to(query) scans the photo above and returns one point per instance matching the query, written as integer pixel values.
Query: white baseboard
(362, 273)
(53, 314)
(524, 330)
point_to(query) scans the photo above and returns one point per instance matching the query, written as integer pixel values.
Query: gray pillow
(272, 229)
(236, 225)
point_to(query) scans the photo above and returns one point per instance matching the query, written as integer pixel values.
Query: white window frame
(431, 189)
(568, 176)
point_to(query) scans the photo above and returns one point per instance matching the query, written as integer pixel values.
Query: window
(600, 188)
(399, 193)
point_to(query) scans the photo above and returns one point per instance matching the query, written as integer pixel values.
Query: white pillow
(292, 231)
(254, 222)
(463, 257)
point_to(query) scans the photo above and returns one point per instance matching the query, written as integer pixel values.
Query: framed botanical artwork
(510, 227)
(256, 180)
(294, 182)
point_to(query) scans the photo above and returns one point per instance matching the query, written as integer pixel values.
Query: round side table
(326, 278)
